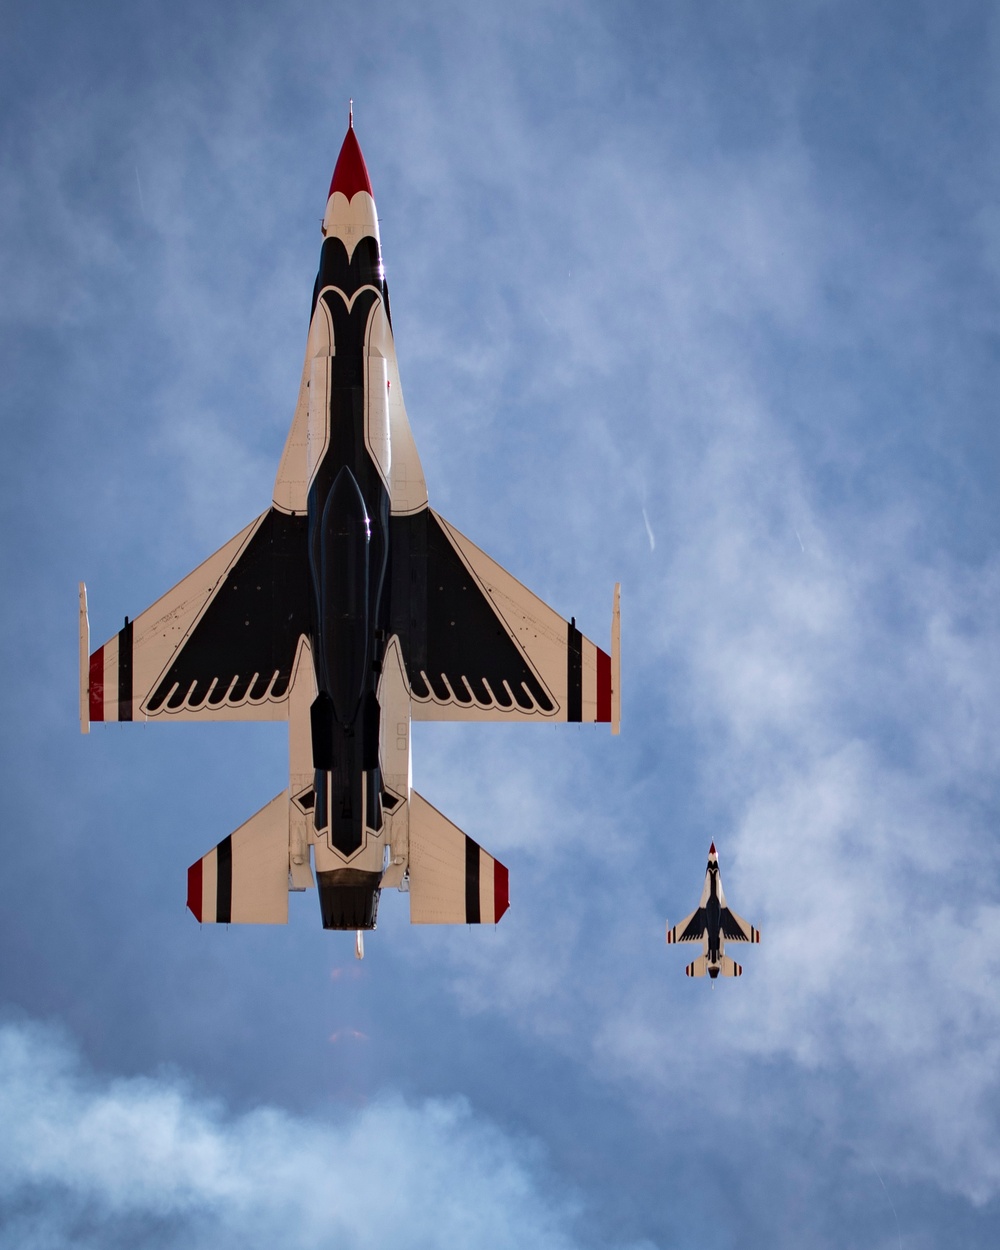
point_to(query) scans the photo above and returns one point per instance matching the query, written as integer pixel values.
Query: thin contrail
(891, 1204)
(142, 202)
(649, 531)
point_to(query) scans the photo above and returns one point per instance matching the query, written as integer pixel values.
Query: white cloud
(87, 1160)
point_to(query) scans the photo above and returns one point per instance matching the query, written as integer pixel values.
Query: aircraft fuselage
(348, 527)
(713, 920)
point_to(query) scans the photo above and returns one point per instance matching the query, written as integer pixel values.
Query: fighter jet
(713, 924)
(349, 608)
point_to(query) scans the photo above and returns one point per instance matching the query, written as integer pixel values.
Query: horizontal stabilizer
(726, 967)
(452, 879)
(244, 880)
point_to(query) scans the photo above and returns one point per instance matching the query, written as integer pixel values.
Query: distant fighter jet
(713, 924)
(348, 608)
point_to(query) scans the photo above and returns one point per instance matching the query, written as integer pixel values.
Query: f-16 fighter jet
(349, 608)
(713, 924)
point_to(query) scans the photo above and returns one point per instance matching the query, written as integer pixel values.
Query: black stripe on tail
(224, 881)
(472, 914)
(574, 673)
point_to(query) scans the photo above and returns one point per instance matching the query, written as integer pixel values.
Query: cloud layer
(91, 1161)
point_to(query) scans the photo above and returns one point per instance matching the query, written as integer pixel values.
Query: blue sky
(698, 297)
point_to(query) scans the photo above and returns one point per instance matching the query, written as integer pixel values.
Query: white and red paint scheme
(713, 924)
(349, 608)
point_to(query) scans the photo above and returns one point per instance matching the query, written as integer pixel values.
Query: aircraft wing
(735, 929)
(690, 929)
(220, 646)
(480, 646)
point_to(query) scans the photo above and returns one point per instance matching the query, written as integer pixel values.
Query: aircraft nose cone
(712, 850)
(350, 174)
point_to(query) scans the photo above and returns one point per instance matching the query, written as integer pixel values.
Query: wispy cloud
(92, 1161)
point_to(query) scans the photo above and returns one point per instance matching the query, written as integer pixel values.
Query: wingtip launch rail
(84, 662)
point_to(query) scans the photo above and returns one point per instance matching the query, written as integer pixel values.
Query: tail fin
(698, 968)
(452, 879)
(729, 967)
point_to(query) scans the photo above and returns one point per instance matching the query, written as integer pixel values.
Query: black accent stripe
(574, 673)
(224, 881)
(125, 671)
(472, 915)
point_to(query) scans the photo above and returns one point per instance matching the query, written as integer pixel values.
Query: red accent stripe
(603, 686)
(97, 685)
(194, 890)
(501, 890)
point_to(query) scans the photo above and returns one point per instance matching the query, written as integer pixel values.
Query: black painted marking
(456, 637)
(370, 732)
(363, 269)
(695, 928)
(472, 913)
(729, 928)
(321, 728)
(125, 671)
(224, 881)
(574, 673)
(244, 645)
(320, 788)
(373, 799)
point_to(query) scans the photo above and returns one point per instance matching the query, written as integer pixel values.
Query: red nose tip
(712, 850)
(350, 174)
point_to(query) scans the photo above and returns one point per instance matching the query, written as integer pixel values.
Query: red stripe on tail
(501, 890)
(97, 685)
(603, 686)
(194, 890)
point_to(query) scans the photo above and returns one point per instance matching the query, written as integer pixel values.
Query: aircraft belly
(348, 607)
